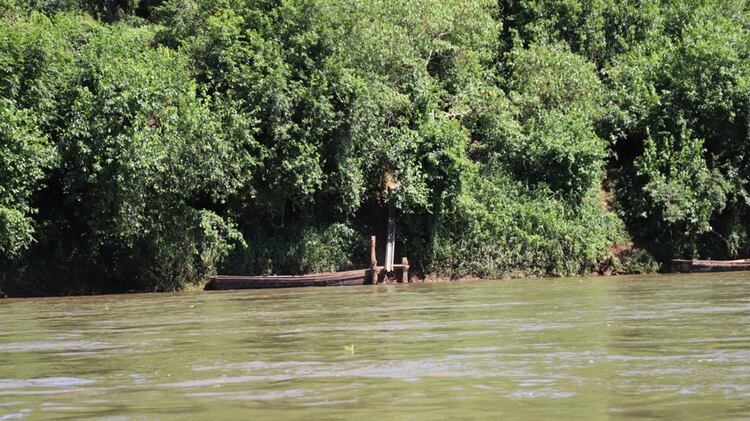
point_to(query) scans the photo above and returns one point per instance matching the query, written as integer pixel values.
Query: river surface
(672, 347)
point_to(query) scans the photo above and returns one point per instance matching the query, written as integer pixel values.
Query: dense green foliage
(147, 144)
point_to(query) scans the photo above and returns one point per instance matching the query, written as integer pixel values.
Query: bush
(497, 228)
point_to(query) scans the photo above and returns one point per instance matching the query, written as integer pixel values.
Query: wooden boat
(350, 277)
(683, 265)
(373, 275)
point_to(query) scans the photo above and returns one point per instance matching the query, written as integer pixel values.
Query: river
(663, 346)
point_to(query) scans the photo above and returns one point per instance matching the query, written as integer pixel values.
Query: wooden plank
(404, 270)
(390, 246)
(373, 261)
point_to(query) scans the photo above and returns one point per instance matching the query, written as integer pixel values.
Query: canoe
(683, 265)
(351, 277)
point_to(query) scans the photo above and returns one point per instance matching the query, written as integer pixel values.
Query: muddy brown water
(654, 347)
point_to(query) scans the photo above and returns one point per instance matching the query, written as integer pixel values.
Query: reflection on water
(629, 347)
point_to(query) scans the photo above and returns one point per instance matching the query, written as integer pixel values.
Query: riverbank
(434, 278)
(143, 148)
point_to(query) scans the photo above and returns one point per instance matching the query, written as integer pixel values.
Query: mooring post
(390, 246)
(404, 270)
(373, 261)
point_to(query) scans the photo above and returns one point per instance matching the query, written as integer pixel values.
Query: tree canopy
(145, 145)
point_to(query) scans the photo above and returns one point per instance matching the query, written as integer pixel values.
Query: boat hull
(352, 277)
(700, 266)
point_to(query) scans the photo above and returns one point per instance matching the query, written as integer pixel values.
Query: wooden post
(405, 270)
(373, 261)
(390, 246)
